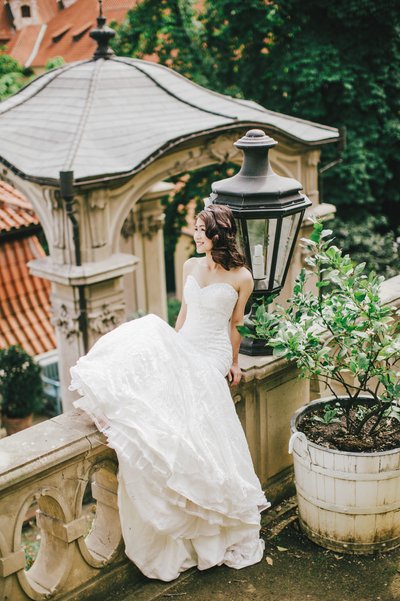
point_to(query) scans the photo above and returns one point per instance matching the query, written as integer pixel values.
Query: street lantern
(268, 209)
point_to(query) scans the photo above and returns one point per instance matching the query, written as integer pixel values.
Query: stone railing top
(50, 443)
(390, 291)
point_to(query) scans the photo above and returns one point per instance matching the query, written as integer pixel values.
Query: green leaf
(246, 332)
(316, 233)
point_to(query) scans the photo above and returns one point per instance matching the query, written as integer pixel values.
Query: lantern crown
(256, 187)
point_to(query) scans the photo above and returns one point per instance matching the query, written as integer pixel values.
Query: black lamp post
(269, 210)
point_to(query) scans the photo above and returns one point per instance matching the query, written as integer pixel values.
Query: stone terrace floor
(293, 569)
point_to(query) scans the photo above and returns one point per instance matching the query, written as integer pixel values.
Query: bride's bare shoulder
(244, 275)
(244, 279)
(191, 264)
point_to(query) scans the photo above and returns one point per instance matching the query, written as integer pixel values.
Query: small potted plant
(21, 391)
(346, 447)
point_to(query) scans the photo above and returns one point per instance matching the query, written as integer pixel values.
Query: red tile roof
(15, 211)
(67, 32)
(47, 10)
(25, 311)
(23, 42)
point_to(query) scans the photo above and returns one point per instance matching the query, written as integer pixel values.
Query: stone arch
(201, 154)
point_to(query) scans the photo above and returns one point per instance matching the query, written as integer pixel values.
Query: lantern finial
(255, 137)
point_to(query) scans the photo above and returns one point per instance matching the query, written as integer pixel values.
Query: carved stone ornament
(237, 398)
(147, 225)
(192, 160)
(106, 319)
(223, 149)
(67, 323)
(97, 218)
(129, 226)
(54, 203)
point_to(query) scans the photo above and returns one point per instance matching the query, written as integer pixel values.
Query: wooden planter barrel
(348, 502)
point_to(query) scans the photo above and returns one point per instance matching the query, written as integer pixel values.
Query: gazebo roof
(108, 117)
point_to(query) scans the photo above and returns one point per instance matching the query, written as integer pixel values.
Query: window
(25, 10)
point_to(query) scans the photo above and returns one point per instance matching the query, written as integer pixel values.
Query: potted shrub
(20, 388)
(346, 447)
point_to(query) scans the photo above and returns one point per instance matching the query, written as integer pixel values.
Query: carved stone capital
(106, 318)
(67, 323)
(129, 226)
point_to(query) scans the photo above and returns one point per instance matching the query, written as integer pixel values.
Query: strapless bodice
(206, 326)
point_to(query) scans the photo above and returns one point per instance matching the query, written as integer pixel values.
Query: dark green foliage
(338, 63)
(370, 239)
(20, 383)
(335, 63)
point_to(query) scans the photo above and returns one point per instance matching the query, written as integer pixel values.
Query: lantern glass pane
(241, 238)
(261, 236)
(288, 232)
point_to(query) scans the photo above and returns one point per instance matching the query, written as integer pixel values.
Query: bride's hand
(234, 375)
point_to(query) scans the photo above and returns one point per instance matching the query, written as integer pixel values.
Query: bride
(187, 494)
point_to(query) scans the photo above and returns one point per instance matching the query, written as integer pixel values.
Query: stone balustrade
(50, 469)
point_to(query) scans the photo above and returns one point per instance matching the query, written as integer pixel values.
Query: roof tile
(76, 44)
(15, 211)
(25, 309)
(23, 42)
(25, 312)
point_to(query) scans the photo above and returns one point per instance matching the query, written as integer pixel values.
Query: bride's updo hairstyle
(221, 230)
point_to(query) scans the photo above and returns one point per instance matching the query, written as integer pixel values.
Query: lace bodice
(206, 326)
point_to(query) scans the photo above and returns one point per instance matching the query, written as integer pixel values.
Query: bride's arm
(246, 288)
(180, 320)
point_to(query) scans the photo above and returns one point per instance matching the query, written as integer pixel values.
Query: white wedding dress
(188, 494)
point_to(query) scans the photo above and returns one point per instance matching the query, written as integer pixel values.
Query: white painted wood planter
(348, 502)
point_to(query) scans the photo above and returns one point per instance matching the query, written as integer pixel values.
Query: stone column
(142, 235)
(104, 306)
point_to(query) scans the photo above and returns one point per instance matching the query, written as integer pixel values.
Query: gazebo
(122, 126)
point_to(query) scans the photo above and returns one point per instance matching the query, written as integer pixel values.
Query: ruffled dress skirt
(188, 495)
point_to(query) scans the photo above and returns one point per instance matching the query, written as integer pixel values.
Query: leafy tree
(54, 63)
(338, 63)
(12, 76)
(334, 63)
(21, 391)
